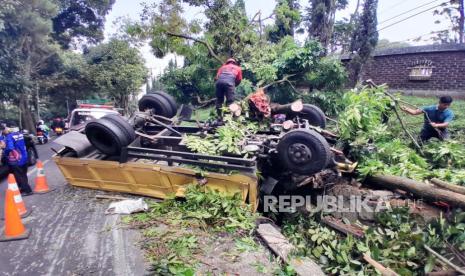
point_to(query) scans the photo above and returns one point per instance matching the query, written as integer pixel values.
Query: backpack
(13, 157)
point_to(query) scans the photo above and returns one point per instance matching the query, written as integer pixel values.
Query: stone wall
(422, 70)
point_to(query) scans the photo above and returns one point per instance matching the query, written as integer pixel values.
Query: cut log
(419, 189)
(448, 186)
(296, 106)
(282, 247)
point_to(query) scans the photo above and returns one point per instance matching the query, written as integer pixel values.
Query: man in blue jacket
(437, 119)
(15, 156)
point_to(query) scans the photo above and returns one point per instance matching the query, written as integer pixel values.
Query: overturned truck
(146, 154)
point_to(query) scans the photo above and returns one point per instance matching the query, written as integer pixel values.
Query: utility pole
(38, 103)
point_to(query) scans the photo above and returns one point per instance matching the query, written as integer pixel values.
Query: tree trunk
(448, 186)
(419, 189)
(27, 118)
(461, 22)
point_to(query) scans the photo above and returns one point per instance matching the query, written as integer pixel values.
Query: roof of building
(415, 50)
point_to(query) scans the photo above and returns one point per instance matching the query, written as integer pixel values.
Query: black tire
(158, 104)
(170, 99)
(123, 124)
(31, 156)
(314, 115)
(304, 151)
(106, 136)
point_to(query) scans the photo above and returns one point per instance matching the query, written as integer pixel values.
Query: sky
(406, 31)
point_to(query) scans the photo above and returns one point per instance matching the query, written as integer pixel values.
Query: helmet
(231, 60)
(41, 122)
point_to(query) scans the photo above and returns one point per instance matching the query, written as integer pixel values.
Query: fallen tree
(448, 186)
(419, 189)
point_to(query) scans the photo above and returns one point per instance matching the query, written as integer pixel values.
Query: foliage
(381, 149)
(363, 114)
(82, 20)
(226, 138)
(396, 241)
(117, 69)
(227, 32)
(320, 19)
(329, 75)
(446, 154)
(210, 208)
(287, 19)
(386, 44)
(452, 11)
(364, 39)
(330, 102)
(173, 252)
(27, 53)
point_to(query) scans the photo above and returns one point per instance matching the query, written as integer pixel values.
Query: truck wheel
(304, 151)
(314, 115)
(123, 124)
(170, 99)
(158, 104)
(106, 136)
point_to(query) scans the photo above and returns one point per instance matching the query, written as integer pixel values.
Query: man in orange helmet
(229, 76)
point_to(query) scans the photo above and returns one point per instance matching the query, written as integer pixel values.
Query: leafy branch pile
(396, 242)
(173, 252)
(381, 150)
(226, 138)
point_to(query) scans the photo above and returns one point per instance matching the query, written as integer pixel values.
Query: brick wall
(393, 68)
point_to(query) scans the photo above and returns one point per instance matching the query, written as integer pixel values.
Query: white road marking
(35, 169)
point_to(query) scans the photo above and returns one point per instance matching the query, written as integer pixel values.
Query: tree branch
(284, 79)
(209, 47)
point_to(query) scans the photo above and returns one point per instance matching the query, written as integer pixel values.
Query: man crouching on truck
(227, 78)
(437, 119)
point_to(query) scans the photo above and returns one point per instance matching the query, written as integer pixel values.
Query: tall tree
(343, 30)
(80, 20)
(26, 51)
(453, 11)
(287, 16)
(117, 70)
(320, 19)
(364, 40)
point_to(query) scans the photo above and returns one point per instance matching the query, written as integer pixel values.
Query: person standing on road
(229, 76)
(15, 156)
(437, 119)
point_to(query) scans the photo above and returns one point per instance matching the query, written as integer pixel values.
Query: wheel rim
(299, 153)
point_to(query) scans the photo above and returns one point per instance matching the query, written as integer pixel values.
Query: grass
(415, 123)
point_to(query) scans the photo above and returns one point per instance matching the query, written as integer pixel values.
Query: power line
(416, 8)
(418, 13)
(393, 6)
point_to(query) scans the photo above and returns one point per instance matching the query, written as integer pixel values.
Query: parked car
(85, 113)
(32, 154)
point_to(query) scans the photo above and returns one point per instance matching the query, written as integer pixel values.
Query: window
(421, 70)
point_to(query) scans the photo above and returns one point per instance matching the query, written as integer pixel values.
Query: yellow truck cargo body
(152, 180)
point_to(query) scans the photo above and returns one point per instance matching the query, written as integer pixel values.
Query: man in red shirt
(227, 78)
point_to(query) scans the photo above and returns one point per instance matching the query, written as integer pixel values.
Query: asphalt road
(70, 234)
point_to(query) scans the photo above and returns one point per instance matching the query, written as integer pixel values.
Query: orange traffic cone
(14, 228)
(41, 181)
(12, 186)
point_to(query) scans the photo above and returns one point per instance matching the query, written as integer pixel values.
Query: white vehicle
(85, 113)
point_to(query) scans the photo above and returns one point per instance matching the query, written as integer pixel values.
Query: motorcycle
(42, 137)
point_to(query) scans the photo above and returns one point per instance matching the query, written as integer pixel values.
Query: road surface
(70, 235)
